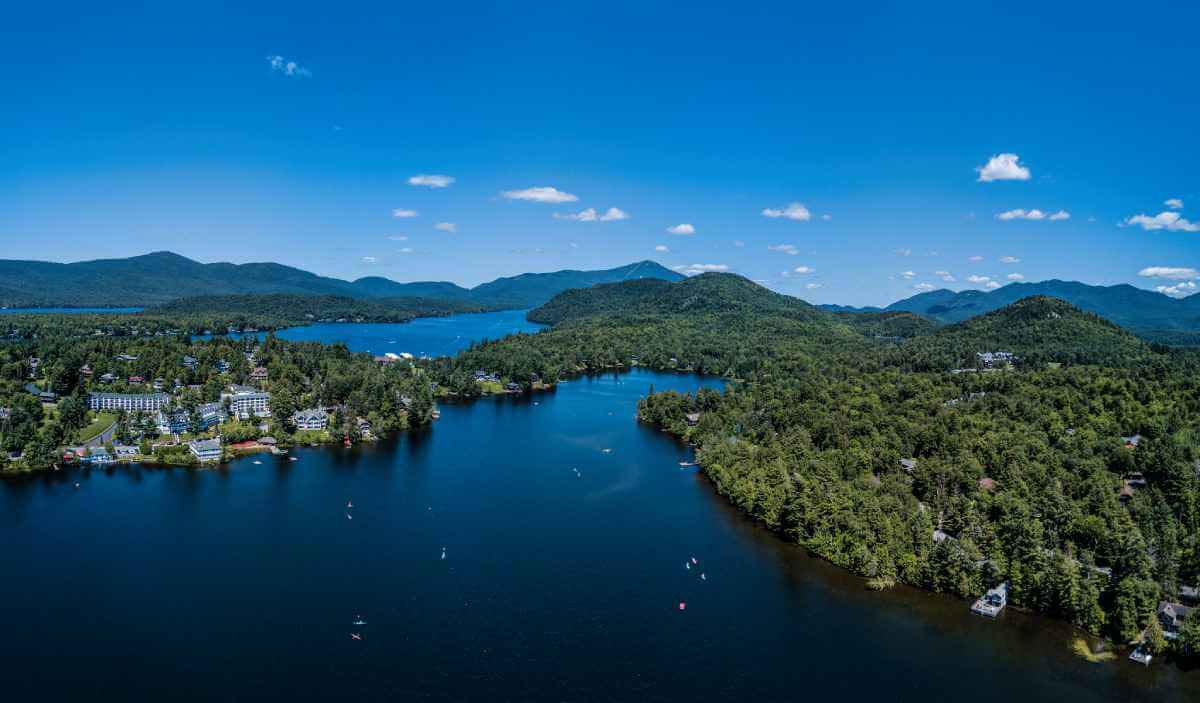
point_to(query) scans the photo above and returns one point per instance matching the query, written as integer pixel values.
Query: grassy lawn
(99, 423)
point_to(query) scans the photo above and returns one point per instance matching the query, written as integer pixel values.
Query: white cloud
(975, 259)
(1174, 203)
(431, 180)
(696, 269)
(1021, 214)
(908, 275)
(1009, 260)
(446, 227)
(1060, 216)
(405, 250)
(923, 287)
(1175, 273)
(803, 270)
(991, 285)
(541, 194)
(812, 286)
(279, 64)
(684, 228)
(1179, 290)
(903, 251)
(662, 248)
(827, 217)
(1003, 167)
(369, 260)
(945, 276)
(401, 212)
(976, 279)
(588, 215)
(739, 243)
(784, 249)
(791, 211)
(1164, 220)
(1015, 277)
(398, 238)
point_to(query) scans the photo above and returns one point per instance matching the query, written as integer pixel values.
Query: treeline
(316, 308)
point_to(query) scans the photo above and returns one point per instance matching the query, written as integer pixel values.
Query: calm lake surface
(241, 583)
(432, 336)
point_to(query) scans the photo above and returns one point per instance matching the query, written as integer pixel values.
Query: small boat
(688, 565)
(703, 577)
(687, 463)
(256, 461)
(694, 560)
(359, 621)
(443, 552)
(606, 450)
(291, 458)
(349, 516)
(349, 505)
(355, 636)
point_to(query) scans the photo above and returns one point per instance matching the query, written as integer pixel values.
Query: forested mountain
(309, 308)
(163, 276)
(1153, 315)
(706, 293)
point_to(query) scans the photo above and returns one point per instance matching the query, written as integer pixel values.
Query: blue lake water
(432, 336)
(565, 568)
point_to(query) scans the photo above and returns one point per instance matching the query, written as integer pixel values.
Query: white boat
(992, 602)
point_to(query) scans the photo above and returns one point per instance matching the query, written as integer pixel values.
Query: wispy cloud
(908, 275)
(784, 248)
(945, 276)
(739, 243)
(827, 217)
(541, 194)
(405, 250)
(1174, 203)
(1167, 220)
(401, 212)
(1009, 260)
(812, 286)
(975, 259)
(903, 251)
(1175, 273)
(1060, 216)
(446, 227)
(1015, 277)
(696, 269)
(1003, 167)
(683, 228)
(431, 180)
(662, 249)
(613, 214)
(370, 260)
(791, 211)
(991, 285)
(1179, 290)
(924, 287)
(292, 69)
(977, 279)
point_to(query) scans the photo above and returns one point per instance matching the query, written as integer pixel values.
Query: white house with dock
(992, 602)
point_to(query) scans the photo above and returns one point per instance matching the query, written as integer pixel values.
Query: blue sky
(141, 128)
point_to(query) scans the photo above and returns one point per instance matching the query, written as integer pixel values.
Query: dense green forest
(1018, 468)
(316, 308)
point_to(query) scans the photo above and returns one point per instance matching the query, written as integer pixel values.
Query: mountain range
(160, 277)
(1152, 315)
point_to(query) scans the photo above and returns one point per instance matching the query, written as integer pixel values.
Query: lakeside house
(1171, 617)
(992, 602)
(126, 357)
(191, 362)
(205, 450)
(44, 396)
(129, 402)
(908, 465)
(693, 419)
(310, 419)
(222, 366)
(108, 378)
(210, 415)
(176, 421)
